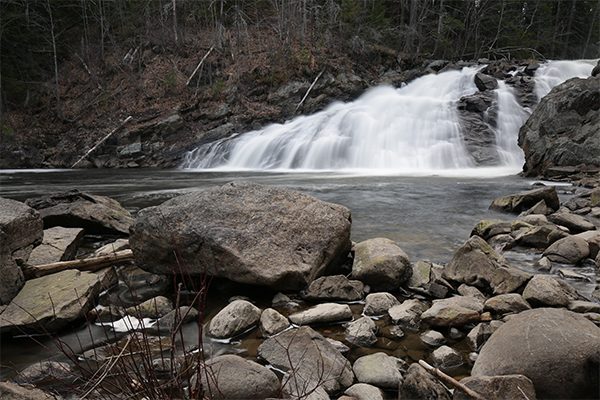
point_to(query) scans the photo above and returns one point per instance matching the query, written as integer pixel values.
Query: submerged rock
(246, 232)
(520, 202)
(558, 350)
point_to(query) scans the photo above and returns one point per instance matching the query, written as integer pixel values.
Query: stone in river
(569, 250)
(332, 288)
(381, 264)
(59, 244)
(519, 202)
(235, 318)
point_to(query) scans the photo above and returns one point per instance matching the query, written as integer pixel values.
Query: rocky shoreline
(477, 309)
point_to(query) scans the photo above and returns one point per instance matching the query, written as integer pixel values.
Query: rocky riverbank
(338, 301)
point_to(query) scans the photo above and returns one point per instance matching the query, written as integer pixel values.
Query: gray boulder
(506, 303)
(311, 358)
(381, 264)
(564, 129)
(487, 229)
(364, 391)
(75, 209)
(443, 314)
(246, 232)
(379, 370)
(12, 391)
(504, 387)
(377, 304)
(478, 336)
(433, 338)
(237, 317)
(446, 358)
(420, 384)
(21, 228)
(59, 244)
(520, 202)
(154, 308)
(272, 322)
(334, 288)
(322, 313)
(558, 350)
(56, 301)
(547, 291)
(538, 236)
(568, 250)
(575, 223)
(361, 332)
(233, 377)
(407, 314)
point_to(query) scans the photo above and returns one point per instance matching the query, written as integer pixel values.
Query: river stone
(569, 250)
(377, 304)
(113, 247)
(237, 317)
(299, 387)
(322, 313)
(420, 384)
(420, 274)
(478, 336)
(379, 370)
(55, 301)
(471, 302)
(308, 356)
(442, 314)
(506, 304)
(363, 391)
(502, 243)
(407, 314)
(539, 236)
(75, 209)
(487, 229)
(474, 264)
(59, 244)
(507, 280)
(564, 129)
(381, 264)
(485, 82)
(433, 338)
(470, 291)
(583, 306)
(575, 223)
(334, 288)
(45, 372)
(361, 332)
(446, 358)
(272, 322)
(246, 232)
(12, 391)
(519, 202)
(233, 377)
(21, 228)
(557, 349)
(175, 317)
(502, 387)
(544, 291)
(154, 308)
(543, 265)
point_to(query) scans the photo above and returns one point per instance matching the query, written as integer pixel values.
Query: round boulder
(381, 263)
(234, 319)
(557, 349)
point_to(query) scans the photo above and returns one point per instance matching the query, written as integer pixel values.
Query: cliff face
(563, 133)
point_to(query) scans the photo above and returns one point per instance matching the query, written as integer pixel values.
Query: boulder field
(524, 332)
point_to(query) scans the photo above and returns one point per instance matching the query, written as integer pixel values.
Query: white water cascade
(411, 130)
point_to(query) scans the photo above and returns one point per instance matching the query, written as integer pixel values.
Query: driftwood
(450, 380)
(308, 91)
(102, 141)
(198, 66)
(86, 264)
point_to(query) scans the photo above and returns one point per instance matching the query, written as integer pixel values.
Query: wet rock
(377, 304)
(420, 274)
(569, 250)
(110, 248)
(568, 274)
(21, 228)
(487, 229)
(507, 280)
(506, 304)
(420, 384)
(248, 233)
(433, 338)
(446, 358)
(485, 82)
(407, 314)
(381, 264)
(363, 391)
(557, 349)
(544, 291)
(75, 209)
(583, 306)
(538, 210)
(471, 302)
(309, 356)
(379, 370)
(322, 313)
(11, 391)
(564, 128)
(477, 116)
(361, 332)
(233, 377)
(539, 236)
(478, 336)
(575, 223)
(520, 202)
(59, 244)
(543, 265)
(235, 318)
(593, 240)
(332, 288)
(281, 300)
(294, 387)
(443, 314)
(470, 291)
(175, 317)
(497, 387)
(153, 308)
(56, 301)
(502, 243)
(272, 322)
(45, 371)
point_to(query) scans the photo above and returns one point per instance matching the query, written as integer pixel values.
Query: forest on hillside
(267, 40)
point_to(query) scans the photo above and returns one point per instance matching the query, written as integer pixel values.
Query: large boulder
(564, 129)
(56, 301)
(237, 317)
(59, 244)
(75, 209)
(568, 250)
(310, 358)
(246, 232)
(21, 228)
(557, 349)
(381, 263)
(334, 288)
(517, 203)
(497, 387)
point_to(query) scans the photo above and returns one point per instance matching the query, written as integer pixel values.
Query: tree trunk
(568, 33)
(53, 37)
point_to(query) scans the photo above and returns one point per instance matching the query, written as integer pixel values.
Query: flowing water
(394, 158)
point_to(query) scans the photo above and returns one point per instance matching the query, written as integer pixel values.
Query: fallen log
(449, 380)
(85, 264)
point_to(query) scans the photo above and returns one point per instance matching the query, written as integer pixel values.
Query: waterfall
(413, 129)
